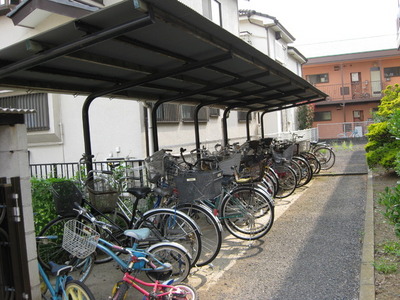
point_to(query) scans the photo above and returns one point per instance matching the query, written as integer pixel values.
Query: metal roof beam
(73, 46)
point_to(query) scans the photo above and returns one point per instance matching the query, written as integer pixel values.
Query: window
(358, 115)
(242, 115)
(168, 113)
(216, 14)
(318, 78)
(323, 116)
(214, 112)
(188, 113)
(38, 121)
(392, 72)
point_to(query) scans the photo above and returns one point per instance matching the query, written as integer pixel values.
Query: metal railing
(343, 130)
(366, 90)
(129, 167)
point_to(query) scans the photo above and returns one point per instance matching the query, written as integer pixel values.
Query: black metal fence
(132, 167)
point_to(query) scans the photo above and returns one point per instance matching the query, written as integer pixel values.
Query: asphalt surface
(313, 250)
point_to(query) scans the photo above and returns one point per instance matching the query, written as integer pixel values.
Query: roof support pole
(197, 128)
(225, 116)
(86, 132)
(248, 124)
(262, 124)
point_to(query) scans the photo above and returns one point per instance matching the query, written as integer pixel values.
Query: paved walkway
(313, 251)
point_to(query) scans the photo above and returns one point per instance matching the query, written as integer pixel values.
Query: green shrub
(390, 199)
(42, 202)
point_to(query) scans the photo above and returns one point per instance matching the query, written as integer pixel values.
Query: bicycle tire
(181, 289)
(177, 257)
(306, 170)
(76, 289)
(287, 180)
(120, 223)
(51, 249)
(247, 212)
(211, 230)
(268, 183)
(296, 167)
(120, 290)
(272, 174)
(325, 156)
(174, 226)
(313, 161)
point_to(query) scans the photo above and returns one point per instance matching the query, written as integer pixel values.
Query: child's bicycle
(64, 287)
(165, 261)
(159, 290)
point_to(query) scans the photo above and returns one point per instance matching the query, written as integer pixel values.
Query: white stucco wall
(115, 126)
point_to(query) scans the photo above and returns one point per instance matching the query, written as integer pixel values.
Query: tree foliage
(305, 116)
(383, 147)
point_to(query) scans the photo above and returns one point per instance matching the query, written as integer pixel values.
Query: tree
(305, 116)
(383, 147)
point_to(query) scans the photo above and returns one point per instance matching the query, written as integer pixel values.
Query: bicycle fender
(173, 244)
(174, 211)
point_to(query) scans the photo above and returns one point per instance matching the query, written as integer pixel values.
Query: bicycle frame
(136, 282)
(57, 290)
(106, 247)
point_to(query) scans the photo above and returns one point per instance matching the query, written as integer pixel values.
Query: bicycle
(244, 208)
(165, 261)
(165, 225)
(64, 286)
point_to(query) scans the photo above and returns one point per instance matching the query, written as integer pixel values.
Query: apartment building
(354, 83)
(268, 35)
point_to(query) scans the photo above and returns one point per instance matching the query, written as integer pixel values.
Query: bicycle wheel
(183, 291)
(173, 226)
(49, 248)
(326, 157)
(313, 161)
(77, 290)
(175, 257)
(120, 224)
(287, 180)
(247, 212)
(211, 230)
(120, 290)
(306, 170)
(296, 168)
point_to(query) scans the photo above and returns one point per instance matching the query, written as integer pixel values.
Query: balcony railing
(366, 90)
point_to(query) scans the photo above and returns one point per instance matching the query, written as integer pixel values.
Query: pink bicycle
(160, 291)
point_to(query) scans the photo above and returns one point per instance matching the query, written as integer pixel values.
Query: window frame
(321, 113)
(317, 78)
(187, 113)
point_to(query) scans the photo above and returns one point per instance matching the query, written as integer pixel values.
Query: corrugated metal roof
(153, 50)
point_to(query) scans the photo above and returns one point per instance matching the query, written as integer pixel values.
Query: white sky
(323, 27)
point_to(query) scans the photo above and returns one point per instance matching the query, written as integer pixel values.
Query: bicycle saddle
(139, 192)
(138, 234)
(57, 270)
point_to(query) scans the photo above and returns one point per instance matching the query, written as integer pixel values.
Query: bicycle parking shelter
(157, 51)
